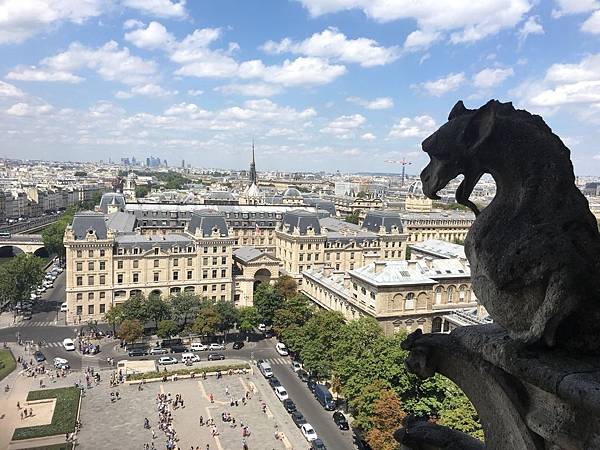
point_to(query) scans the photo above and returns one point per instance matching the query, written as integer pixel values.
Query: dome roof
(416, 189)
(292, 192)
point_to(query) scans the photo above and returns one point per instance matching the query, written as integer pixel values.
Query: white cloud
(416, 127)
(8, 90)
(332, 44)
(342, 126)
(439, 87)
(592, 24)
(250, 89)
(148, 90)
(466, 21)
(302, 71)
(153, 37)
(566, 7)
(420, 40)
(34, 73)
(378, 103)
(489, 78)
(368, 137)
(20, 19)
(195, 92)
(109, 61)
(25, 109)
(531, 26)
(130, 24)
(159, 8)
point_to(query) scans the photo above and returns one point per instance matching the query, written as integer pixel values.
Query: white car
(281, 393)
(63, 307)
(309, 432)
(165, 360)
(158, 351)
(281, 349)
(262, 327)
(69, 345)
(215, 346)
(198, 347)
(60, 363)
(34, 296)
(296, 366)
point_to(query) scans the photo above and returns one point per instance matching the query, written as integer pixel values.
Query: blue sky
(319, 84)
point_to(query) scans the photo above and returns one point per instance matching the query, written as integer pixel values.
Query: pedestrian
(153, 434)
(201, 420)
(21, 415)
(226, 390)
(212, 399)
(18, 405)
(117, 395)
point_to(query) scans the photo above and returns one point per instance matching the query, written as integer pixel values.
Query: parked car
(216, 356)
(308, 432)
(60, 363)
(68, 344)
(323, 396)
(137, 351)
(27, 315)
(237, 345)
(296, 366)
(158, 351)
(340, 420)
(166, 360)
(281, 393)
(274, 382)
(189, 358)
(63, 307)
(216, 346)
(298, 418)
(317, 444)
(311, 383)
(198, 347)
(289, 405)
(178, 349)
(39, 357)
(168, 343)
(303, 375)
(262, 327)
(281, 349)
(259, 362)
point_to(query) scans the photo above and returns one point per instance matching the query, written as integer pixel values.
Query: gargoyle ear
(458, 110)
(480, 126)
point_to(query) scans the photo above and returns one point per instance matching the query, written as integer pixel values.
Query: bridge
(25, 243)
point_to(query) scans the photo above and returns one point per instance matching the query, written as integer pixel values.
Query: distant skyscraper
(148, 161)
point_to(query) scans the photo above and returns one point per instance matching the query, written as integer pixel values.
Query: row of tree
(19, 277)
(363, 365)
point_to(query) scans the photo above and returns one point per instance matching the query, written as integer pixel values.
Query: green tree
(141, 191)
(457, 412)
(320, 331)
(286, 286)
(228, 316)
(184, 307)
(133, 308)
(114, 316)
(386, 418)
(267, 301)
(167, 329)
(353, 218)
(92, 202)
(156, 309)
(295, 310)
(248, 319)
(54, 233)
(21, 275)
(362, 404)
(131, 330)
(207, 321)
(294, 338)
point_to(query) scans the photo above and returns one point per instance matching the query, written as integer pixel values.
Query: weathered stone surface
(429, 436)
(535, 250)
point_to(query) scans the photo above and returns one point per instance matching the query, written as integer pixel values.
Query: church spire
(253, 178)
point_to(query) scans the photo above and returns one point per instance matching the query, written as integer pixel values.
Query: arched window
(462, 294)
(409, 303)
(436, 325)
(438, 295)
(450, 294)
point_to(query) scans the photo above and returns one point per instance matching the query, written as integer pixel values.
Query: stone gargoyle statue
(534, 250)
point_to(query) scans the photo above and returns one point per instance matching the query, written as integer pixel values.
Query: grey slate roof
(206, 221)
(111, 198)
(86, 221)
(326, 205)
(376, 219)
(247, 254)
(338, 230)
(121, 222)
(147, 242)
(302, 220)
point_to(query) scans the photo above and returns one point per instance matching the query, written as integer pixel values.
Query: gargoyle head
(453, 149)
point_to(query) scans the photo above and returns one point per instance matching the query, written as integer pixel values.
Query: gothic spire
(253, 178)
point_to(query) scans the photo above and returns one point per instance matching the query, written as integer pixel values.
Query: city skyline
(319, 85)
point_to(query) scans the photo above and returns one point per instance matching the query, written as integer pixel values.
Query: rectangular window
(79, 253)
(91, 253)
(90, 296)
(222, 298)
(156, 262)
(205, 288)
(79, 267)
(176, 262)
(79, 310)
(102, 252)
(102, 279)
(156, 275)
(91, 265)
(119, 264)
(224, 249)
(102, 295)
(156, 250)
(79, 296)
(189, 274)
(136, 263)
(91, 280)
(102, 265)
(90, 309)
(189, 261)
(205, 261)
(214, 261)
(224, 260)
(214, 249)
(223, 273)
(204, 274)
(222, 287)
(136, 277)
(214, 287)
(102, 308)
(301, 246)
(214, 273)
(79, 281)
(120, 278)
(205, 250)
(175, 275)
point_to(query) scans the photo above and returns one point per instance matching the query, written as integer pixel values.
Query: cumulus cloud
(20, 19)
(489, 78)
(25, 109)
(195, 92)
(416, 127)
(130, 24)
(250, 89)
(332, 44)
(377, 103)
(468, 21)
(34, 73)
(441, 86)
(531, 26)
(148, 90)
(421, 40)
(368, 137)
(159, 8)
(150, 38)
(567, 7)
(8, 90)
(592, 24)
(342, 126)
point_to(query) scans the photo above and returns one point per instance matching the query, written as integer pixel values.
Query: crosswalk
(28, 323)
(278, 361)
(52, 344)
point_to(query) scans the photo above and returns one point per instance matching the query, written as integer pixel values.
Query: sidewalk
(7, 320)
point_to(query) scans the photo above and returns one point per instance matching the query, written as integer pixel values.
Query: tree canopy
(267, 301)
(21, 275)
(131, 330)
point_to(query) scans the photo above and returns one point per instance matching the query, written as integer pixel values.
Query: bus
(4, 234)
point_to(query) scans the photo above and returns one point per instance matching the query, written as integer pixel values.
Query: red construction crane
(402, 161)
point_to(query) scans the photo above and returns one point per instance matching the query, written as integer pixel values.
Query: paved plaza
(119, 424)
